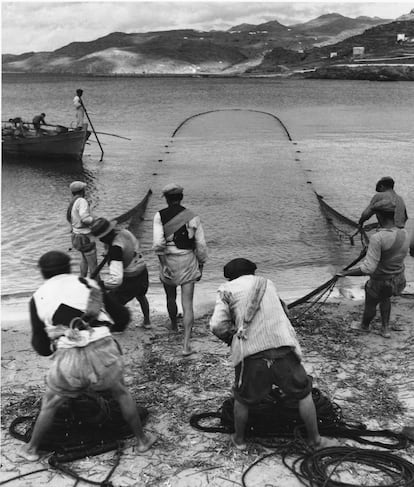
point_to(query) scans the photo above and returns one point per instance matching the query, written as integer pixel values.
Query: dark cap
(54, 262)
(386, 181)
(101, 227)
(239, 267)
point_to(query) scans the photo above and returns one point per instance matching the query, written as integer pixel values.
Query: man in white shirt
(80, 111)
(79, 216)
(75, 331)
(178, 240)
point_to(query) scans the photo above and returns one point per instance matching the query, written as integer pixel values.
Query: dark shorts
(261, 373)
(132, 287)
(83, 243)
(383, 289)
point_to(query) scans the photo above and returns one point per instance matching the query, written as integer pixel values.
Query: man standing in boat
(387, 198)
(80, 111)
(79, 216)
(178, 240)
(384, 263)
(128, 274)
(38, 120)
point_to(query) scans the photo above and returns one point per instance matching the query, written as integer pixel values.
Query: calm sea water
(250, 184)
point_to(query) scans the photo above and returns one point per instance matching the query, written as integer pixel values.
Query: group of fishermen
(19, 128)
(72, 317)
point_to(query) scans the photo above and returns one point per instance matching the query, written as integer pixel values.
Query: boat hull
(68, 146)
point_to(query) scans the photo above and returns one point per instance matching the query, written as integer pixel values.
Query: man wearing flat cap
(79, 216)
(387, 199)
(178, 240)
(384, 263)
(250, 317)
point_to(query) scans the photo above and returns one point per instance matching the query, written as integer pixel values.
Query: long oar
(114, 135)
(90, 122)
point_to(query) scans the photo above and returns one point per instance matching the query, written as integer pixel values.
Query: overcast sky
(46, 26)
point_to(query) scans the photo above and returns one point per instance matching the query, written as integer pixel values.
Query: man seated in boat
(39, 120)
(17, 127)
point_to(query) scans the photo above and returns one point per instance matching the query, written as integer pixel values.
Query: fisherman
(182, 251)
(38, 120)
(128, 274)
(18, 129)
(251, 318)
(386, 198)
(79, 216)
(69, 322)
(384, 263)
(80, 110)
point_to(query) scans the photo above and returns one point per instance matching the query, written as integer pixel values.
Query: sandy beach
(369, 377)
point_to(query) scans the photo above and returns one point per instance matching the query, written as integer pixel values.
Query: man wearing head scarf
(80, 218)
(384, 263)
(178, 240)
(250, 317)
(72, 324)
(388, 200)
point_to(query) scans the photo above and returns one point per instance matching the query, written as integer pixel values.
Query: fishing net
(87, 425)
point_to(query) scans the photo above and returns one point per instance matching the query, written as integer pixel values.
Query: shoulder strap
(177, 222)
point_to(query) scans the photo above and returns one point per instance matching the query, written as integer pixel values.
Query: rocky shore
(371, 72)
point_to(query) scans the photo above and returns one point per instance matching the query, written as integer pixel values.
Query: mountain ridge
(267, 48)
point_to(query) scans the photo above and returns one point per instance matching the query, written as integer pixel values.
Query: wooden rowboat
(54, 142)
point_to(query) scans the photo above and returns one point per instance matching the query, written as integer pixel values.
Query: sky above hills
(46, 26)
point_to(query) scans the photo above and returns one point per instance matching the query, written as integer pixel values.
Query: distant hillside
(334, 24)
(380, 49)
(270, 47)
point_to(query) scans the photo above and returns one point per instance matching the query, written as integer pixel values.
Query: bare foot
(187, 353)
(240, 445)
(325, 443)
(385, 333)
(28, 454)
(145, 444)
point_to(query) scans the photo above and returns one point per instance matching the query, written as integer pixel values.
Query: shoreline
(15, 307)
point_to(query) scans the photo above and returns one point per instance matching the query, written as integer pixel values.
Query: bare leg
(187, 294)
(385, 310)
(370, 310)
(131, 416)
(50, 404)
(143, 301)
(171, 293)
(241, 415)
(83, 266)
(307, 412)
(91, 262)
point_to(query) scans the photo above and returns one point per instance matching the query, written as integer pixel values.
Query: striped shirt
(269, 328)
